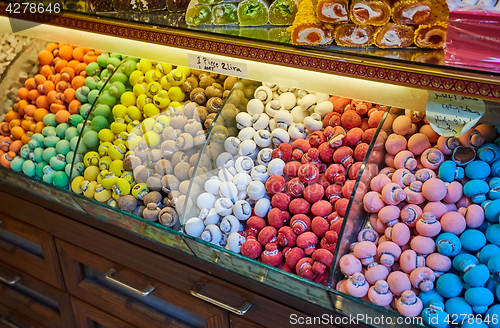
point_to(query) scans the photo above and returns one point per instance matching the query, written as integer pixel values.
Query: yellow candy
(117, 152)
(76, 185)
(102, 195)
(102, 176)
(176, 94)
(185, 70)
(135, 77)
(147, 124)
(177, 105)
(106, 135)
(105, 162)
(119, 111)
(161, 99)
(109, 180)
(164, 83)
(91, 158)
(134, 113)
(163, 68)
(152, 76)
(88, 188)
(139, 89)
(117, 167)
(176, 77)
(153, 89)
(128, 99)
(121, 187)
(103, 148)
(145, 65)
(142, 100)
(129, 176)
(150, 110)
(133, 141)
(152, 138)
(132, 125)
(91, 173)
(118, 126)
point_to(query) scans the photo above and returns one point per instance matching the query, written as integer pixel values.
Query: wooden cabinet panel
(132, 296)
(87, 316)
(34, 298)
(11, 319)
(29, 249)
(237, 321)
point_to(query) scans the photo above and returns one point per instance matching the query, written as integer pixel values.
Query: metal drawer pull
(9, 282)
(198, 288)
(109, 277)
(7, 323)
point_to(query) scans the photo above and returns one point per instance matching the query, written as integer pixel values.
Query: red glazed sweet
(348, 188)
(311, 157)
(316, 138)
(326, 153)
(307, 241)
(322, 260)
(321, 208)
(267, 235)
(335, 221)
(251, 248)
(275, 184)
(331, 119)
(375, 118)
(333, 193)
(281, 201)
(368, 135)
(350, 120)
(423, 279)
(344, 156)
(284, 151)
(291, 169)
(271, 255)
(277, 217)
(340, 103)
(354, 136)
(299, 148)
(293, 256)
(360, 151)
(255, 225)
(319, 226)
(365, 251)
(335, 136)
(403, 177)
(361, 107)
(341, 206)
(300, 223)
(354, 170)
(335, 173)
(392, 194)
(434, 190)
(295, 188)
(373, 202)
(410, 260)
(405, 160)
(329, 241)
(308, 174)
(418, 143)
(299, 206)
(313, 192)
(323, 181)
(304, 268)
(398, 282)
(389, 253)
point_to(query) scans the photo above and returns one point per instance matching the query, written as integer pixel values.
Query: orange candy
(47, 70)
(30, 84)
(45, 57)
(40, 79)
(26, 124)
(80, 69)
(22, 93)
(52, 97)
(77, 82)
(38, 127)
(16, 146)
(51, 47)
(46, 87)
(29, 110)
(14, 123)
(42, 102)
(61, 86)
(66, 52)
(55, 108)
(67, 74)
(39, 114)
(69, 95)
(78, 53)
(27, 137)
(33, 94)
(4, 129)
(12, 116)
(17, 132)
(60, 65)
(72, 63)
(20, 106)
(62, 116)
(74, 106)
(90, 57)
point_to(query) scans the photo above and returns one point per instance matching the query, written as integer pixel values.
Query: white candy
(288, 100)
(230, 224)
(300, 93)
(223, 206)
(308, 102)
(262, 138)
(265, 156)
(264, 94)
(223, 240)
(206, 200)
(243, 120)
(246, 134)
(297, 131)
(273, 106)
(225, 175)
(242, 210)
(244, 164)
(256, 190)
(323, 108)
(194, 227)
(276, 166)
(212, 217)
(322, 96)
(259, 173)
(242, 195)
(260, 121)
(299, 114)
(255, 106)
(247, 148)
(228, 189)
(234, 242)
(272, 86)
(211, 234)
(313, 122)
(279, 136)
(272, 124)
(262, 207)
(231, 145)
(242, 180)
(212, 185)
(224, 160)
(283, 119)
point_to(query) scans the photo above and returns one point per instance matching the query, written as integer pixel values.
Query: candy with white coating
(206, 200)
(194, 227)
(211, 234)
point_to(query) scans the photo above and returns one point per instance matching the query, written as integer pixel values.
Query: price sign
(226, 67)
(452, 115)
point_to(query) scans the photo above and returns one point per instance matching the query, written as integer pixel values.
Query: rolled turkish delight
(352, 35)
(225, 13)
(282, 12)
(412, 12)
(253, 12)
(393, 36)
(198, 14)
(370, 12)
(433, 34)
(304, 29)
(333, 11)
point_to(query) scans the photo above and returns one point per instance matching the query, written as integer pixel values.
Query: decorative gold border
(446, 80)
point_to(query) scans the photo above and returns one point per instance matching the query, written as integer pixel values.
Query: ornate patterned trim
(288, 56)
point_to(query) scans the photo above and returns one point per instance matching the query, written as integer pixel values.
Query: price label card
(452, 115)
(226, 67)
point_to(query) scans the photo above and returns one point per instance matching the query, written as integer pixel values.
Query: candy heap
(11, 45)
(280, 189)
(427, 218)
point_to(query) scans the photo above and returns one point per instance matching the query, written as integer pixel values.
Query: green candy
(70, 133)
(82, 94)
(58, 162)
(47, 129)
(60, 179)
(100, 85)
(17, 164)
(29, 168)
(102, 60)
(51, 140)
(120, 77)
(62, 147)
(128, 66)
(25, 151)
(48, 154)
(99, 123)
(38, 153)
(114, 62)
(107, 99)
(75, 119)
(39, 169)
(47, 177)
(77, 170)
(106, 73)
(117, 89)
(36, 141)
(61, 129)
(93, 69)
(50, 119)
(91, 82)
(102, 110)
(82, 149)
(91, 139)
(71, 155)
(93, 96)
(85, 110)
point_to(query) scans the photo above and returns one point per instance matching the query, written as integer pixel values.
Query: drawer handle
(7, 323)
(9, 282)
(109, 277)
(198, 288)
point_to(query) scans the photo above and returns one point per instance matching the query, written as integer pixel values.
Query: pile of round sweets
(147, 154)
(427, 246)
(282, 185)
(48, 105)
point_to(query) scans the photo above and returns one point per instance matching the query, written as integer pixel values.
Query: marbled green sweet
(39, 169)
(60, 179)
(17, 164)
(38, 153)
(48, 153)
(58, 162)
(61, 130)
(62, 147)
(51, 139)
(29, 168)
(70, 133)
(50, 119)
(47, 129)
(91, 139)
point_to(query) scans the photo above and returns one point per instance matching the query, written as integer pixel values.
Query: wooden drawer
(87, 316)
(11, 319)
(34, 298)
(132, 296)
(29, 249)
(237, 321)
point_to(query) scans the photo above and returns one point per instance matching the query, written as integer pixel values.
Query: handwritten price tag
(452, 115)
(218, 66)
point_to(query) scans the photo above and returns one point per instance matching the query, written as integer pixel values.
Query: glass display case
(156, 141)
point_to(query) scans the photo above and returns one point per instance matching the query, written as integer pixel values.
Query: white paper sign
(226, 67)
(452, 115)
